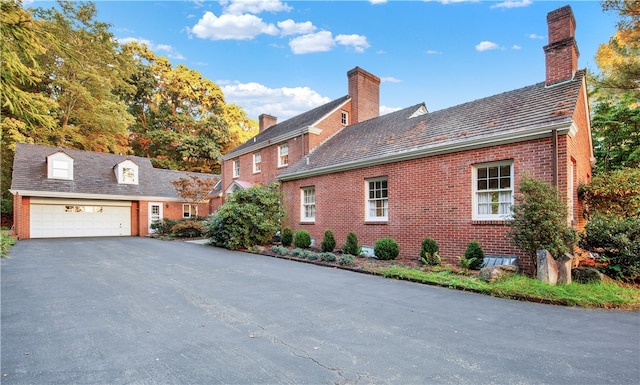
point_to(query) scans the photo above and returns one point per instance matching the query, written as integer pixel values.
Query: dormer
(60, 166)
(126, 172)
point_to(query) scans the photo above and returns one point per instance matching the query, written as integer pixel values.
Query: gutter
(72, 195)
(277, 139)
(541, 132)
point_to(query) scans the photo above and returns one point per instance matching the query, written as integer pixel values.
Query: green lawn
(609, 295)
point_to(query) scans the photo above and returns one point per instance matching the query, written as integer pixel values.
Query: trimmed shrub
(297, 252)
(351, 246)
(429, 252)
(188, 229)
(346, 260)
(287, 237)
(327, 257)
(386, 249)
(474, 255)
(328, 242)
(302, 239)
(310, 256)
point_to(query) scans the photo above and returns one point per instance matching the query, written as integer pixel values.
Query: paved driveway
(142, 311)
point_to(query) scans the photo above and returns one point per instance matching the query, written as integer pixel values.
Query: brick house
(451, 174)
(71, 193)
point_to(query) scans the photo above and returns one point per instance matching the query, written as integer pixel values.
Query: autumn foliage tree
(195, 189)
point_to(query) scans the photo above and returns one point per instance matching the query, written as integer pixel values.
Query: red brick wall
(21, 212)
(428, 197)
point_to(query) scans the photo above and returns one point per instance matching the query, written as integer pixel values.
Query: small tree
(287, 237)
(351, 246)
(194, 190)
(386, 249)
(474, 255)
(540, 221)
(328, 242)
(429, 252)
(249, 217)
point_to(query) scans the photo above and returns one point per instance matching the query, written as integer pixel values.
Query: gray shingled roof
(93, 174)
(393, 136)
(303, 120)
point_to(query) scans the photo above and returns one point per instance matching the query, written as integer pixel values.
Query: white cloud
(516, 47)
(513, 4)
(433, 52)
(158, 49)
(390, 79)
(231, 27)
(284, 102)
(387, 110)
(238, 7)
(374, 2)
(486, 46)
(314, 42)
(357, 42)
(534, 36)
(290, 27)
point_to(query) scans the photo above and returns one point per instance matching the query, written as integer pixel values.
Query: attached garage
(56, 218)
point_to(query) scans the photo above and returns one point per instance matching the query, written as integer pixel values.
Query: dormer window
(60, 166)
(127, 172)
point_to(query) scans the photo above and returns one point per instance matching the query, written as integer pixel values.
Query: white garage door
(79, 218)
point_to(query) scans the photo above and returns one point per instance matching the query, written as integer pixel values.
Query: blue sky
(285, 57)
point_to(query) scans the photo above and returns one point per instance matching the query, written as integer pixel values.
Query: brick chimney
(561, 54)
(364, 90)
(265, 121)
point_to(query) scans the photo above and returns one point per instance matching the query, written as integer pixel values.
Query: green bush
(188, 228)
(328, 242)
(249, 217)
(540, 221)
(351, 246)
(287, 237)
(164, 226)
(327, 257)
(302, 239)
(386, 249)
(310, 256)
(346, 260)
(281, 250)
(474, 255)
(617, 243)
(6, 241)
(429, 252)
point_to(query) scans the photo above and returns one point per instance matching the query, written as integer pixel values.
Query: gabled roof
(287, 129)
(512, 116)
(93, 176)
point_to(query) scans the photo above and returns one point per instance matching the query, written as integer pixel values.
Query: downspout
(554, 146)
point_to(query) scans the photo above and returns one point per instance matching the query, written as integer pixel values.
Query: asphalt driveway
(143, 311)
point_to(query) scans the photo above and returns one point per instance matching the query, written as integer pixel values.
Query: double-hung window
(377, 199)
(308, 206)
(189, 210)
(257, 162)
(283, 155)
(236, 168)
(492, 191)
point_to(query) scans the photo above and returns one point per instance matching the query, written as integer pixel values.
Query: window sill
(307, 222)
(283, 166)
(378, 222)
(490, 222)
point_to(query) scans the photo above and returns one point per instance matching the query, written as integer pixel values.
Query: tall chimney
(265, 121)
(561, 54)
(364, 90)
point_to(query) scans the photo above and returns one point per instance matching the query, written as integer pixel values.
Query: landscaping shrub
(327, 257)
(281, 250)
(310, 256)
(163, 227)
(287, 237)
(429, 252)
(386, 249)
(346, 260)
(328, 242)
(188, 228)
(297, 252)
(351, 246)
(617, 243)
(473, 256)
(540, 221)
(302, 239)
(249, 217)
(6, 241)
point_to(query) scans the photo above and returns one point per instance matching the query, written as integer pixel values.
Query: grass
(607, 295)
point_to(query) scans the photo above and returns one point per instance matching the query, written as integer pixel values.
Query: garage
(56, 218)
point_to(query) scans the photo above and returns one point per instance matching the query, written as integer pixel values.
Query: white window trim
(280, 154)
(368, 216)
(344, 118)
(303, 204)
(257, 170)
(191, 208)
(127, 164)
(236, 168)
(474, 188)
(60, 166)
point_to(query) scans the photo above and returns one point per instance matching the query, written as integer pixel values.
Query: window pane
(493, 184)
(493, 172)
(482, 184)
(482, 173)
(505, 171)
(505, 182)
